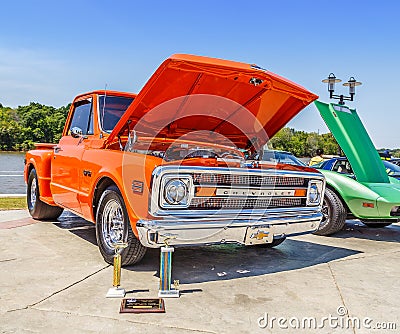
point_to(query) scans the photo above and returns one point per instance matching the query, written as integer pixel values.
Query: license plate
(256, 235)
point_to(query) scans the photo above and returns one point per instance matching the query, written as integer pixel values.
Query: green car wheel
(334, 214)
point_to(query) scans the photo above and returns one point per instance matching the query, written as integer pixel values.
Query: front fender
(124, 169)
(354, 194)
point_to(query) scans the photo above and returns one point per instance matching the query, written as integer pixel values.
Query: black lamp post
(332, 80)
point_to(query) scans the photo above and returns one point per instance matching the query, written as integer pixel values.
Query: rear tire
(334, 213)
(112, 222)
(38, 209)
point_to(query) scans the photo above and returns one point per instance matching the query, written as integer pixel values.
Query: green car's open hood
(355, 142)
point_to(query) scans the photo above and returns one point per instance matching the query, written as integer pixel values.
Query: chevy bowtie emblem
(259, 235)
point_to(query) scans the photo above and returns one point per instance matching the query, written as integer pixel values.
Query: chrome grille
(244, 203)
(247, 180)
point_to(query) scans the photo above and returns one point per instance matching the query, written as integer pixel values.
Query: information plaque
(140, 305)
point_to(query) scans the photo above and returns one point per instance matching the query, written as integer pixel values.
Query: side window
(111, 108)
(83, 116)
(342, 166)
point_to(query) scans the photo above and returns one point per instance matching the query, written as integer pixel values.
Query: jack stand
(116, 291)
(165, 274)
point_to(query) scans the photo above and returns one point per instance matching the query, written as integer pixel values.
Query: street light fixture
(352, 83)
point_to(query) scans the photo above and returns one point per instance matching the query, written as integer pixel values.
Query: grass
(12, 203)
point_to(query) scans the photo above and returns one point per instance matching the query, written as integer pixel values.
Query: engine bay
(180, 150)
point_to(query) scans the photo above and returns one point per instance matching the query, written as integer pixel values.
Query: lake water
(11, 173)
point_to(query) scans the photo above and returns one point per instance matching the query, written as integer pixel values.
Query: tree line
(304, 144)
(34, 123)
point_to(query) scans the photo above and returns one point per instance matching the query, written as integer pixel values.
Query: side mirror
(76, 132)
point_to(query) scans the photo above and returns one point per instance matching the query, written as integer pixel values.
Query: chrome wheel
(112, 223)
(37, 208)
(33, 192)
(325, 214)
(333, 214)
(113, 226)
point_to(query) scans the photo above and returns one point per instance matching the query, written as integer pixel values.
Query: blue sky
(51, 51)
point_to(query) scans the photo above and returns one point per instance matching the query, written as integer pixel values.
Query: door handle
(57, 149)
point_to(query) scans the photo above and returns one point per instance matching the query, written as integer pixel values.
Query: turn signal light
(300, 192)
(368, 205)
(205, 191)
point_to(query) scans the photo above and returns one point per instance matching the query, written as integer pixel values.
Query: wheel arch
(102, 184)
(338, 194)
(29, 166)
(349, 191)
(105, 181)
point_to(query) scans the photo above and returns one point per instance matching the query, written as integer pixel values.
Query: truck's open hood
(355, 142)
(238, 101)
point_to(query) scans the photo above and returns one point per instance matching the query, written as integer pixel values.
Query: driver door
(66, 163)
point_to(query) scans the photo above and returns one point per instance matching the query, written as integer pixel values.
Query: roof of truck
(106, 92)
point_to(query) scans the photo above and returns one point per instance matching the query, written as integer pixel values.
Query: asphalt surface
(53, 280)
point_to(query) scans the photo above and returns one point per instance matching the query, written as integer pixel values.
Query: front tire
(334, 214)
(39, 210)
(112, 222)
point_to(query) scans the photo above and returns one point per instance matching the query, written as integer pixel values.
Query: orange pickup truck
(180, 162)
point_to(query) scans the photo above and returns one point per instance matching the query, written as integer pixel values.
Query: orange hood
(213, 98)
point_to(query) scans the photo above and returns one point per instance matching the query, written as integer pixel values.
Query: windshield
(391, 168)
(281, 157)
(320, 164)
(111, 108)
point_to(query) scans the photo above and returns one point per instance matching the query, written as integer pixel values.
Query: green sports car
(368, 194)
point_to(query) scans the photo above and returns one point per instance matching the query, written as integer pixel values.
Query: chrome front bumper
(242, 230)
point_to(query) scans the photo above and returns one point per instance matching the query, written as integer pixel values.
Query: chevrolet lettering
(255, 192)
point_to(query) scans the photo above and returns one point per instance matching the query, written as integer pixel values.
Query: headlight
(314, 193)
(176, 192)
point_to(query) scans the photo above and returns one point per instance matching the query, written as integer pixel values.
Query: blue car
(342, 165)
(282, 157)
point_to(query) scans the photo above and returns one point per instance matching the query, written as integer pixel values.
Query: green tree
(303, 144)
(10, 129)
(21, 127)
(41, 123)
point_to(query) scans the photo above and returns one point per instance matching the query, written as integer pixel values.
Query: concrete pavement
(53, 279)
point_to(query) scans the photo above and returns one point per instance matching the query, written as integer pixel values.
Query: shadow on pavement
(356, 229)
(78, 226)
(230, 261)
(223, 262)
